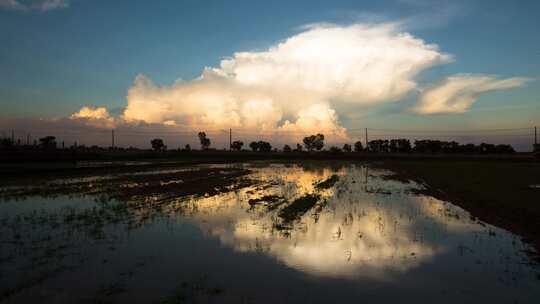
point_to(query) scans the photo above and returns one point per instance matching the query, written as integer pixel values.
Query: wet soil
(498, 193)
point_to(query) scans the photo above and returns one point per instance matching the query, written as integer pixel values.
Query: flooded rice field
(314, 232)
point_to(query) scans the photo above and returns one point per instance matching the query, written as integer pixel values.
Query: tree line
(401, 145)
(314, 143)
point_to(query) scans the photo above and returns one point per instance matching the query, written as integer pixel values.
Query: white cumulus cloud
(358, 63)
(302, 85)
(301, 79)
(457, 93)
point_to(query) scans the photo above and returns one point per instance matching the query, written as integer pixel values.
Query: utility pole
(230, 139)
(112, 138)
(535, 146)
(367, 141)
(12, 136)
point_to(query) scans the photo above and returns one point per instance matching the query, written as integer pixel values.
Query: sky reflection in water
(364, 236)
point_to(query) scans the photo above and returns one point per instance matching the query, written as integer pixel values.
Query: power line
(450, 135)
(435, 131)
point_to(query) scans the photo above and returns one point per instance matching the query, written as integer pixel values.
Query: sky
(279, 70)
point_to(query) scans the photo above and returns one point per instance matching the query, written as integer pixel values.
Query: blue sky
(88, 52)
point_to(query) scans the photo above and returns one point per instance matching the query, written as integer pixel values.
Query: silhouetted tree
(158, 145)
(427, 146)
(400, 146)
(487, 148)
(504, 149)
(287, 149)
(314, 142)
(6, 143)
(379, 146)
(358, 146)
(260, 146)
(237, 145)
(205, 141)
(188, 147)
(254, 146)
(450, 147)
(347, 148)
(48, 142)
(468, 149)
(334, 150)
(264, 146)
(298, 148)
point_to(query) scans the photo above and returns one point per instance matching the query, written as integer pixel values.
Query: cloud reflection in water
(362, 226)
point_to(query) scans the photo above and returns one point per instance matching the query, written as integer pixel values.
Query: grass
(298, 207)
(269, 200)
(497, 192)
(327, 184)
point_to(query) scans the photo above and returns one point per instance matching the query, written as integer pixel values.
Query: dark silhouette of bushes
(265, 146)
(437, 146)
(48, 142)
(237, 145)
(428, 146)
(400, 146)
(254, 146)
(379, 146)
(6, 143)
(504, 149)
(260, 146)
(358, 147)
(334, 150)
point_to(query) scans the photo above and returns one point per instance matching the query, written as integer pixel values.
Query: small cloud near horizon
(456, 94)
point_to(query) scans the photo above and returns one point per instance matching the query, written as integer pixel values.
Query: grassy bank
(497, 192)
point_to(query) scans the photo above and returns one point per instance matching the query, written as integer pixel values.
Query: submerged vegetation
(358, 219)
(329, 183)
(298, 207)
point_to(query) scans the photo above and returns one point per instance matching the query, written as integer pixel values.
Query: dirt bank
(505, 194)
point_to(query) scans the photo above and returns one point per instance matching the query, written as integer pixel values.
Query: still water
(252, 233)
